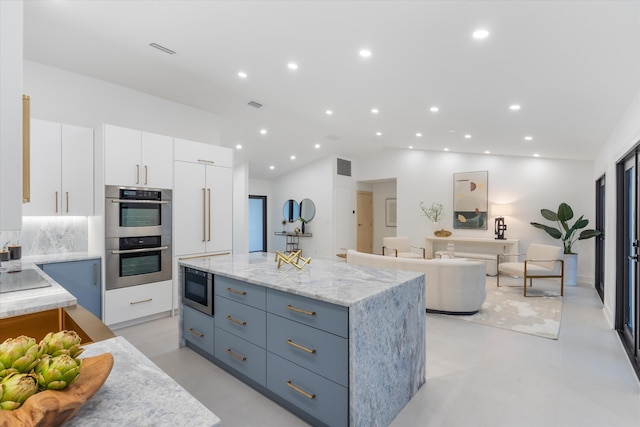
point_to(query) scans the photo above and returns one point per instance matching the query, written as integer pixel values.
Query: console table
(479, 245)
(293, 239)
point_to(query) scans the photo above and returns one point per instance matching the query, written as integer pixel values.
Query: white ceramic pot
(570, 269)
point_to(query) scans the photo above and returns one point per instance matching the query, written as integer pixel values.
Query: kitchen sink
(21, 280)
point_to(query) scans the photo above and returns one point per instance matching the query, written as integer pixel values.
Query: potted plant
(435, 214)
(568, 234)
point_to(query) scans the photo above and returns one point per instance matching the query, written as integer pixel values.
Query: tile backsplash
(49, 235)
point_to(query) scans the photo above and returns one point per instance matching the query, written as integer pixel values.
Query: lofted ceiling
(572, 66)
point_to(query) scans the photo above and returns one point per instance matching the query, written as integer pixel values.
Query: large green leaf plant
(569, 237)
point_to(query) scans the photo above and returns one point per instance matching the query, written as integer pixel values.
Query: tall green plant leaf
(565, 213)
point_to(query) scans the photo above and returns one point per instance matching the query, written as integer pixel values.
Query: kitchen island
(335, 344)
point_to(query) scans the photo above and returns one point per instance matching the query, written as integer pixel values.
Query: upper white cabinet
(137, 159)
(11, 116)
(202, 198)
(61, 170)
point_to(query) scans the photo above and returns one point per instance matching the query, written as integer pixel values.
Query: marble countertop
(53, 258)
(323, 279)
(33, 300)
(138, 393)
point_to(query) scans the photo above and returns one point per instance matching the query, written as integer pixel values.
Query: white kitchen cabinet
(202, 203)
(197, 152)
(11, 116)
(137, 159)
(61, 170)
(137, 302)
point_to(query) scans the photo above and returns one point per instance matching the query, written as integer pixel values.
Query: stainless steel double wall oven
(138, 236)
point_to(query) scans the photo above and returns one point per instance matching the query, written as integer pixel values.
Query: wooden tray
(54, 407)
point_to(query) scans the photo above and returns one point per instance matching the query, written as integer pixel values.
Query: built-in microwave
(197, 290)
(133, 211)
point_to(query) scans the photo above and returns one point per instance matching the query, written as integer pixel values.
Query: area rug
(538, 314)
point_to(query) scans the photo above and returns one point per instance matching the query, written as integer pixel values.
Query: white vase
(570, 269)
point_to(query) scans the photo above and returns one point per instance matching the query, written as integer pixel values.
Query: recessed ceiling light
(487, 152)
(263, 131)
(242, 74)
(514, 107)
(292, 66)
(467, 136)
(292, 157)
(317, 145)
(446, 149)
(536, 155)
(528, 138)
(418, 134)
(375, 110)
(480, 34)
(411, 147)
(434, 109)
(329, 112)
(365, 53)
(379, 133)
(239, 146)
(272, 167)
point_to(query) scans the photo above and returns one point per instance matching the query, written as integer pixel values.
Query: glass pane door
(257, 223)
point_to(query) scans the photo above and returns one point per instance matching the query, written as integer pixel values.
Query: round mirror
(307, 209)
(291, 211)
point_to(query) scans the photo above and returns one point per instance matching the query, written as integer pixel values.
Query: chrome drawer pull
(196, 333)
(140, 302)
(299, 390)
(299, 310)
(239, 322)
(300, 347)
(236, 355)
(236, 291)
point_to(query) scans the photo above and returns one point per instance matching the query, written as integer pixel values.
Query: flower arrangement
(434, 213)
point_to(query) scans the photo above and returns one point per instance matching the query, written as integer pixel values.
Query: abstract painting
(470, 200)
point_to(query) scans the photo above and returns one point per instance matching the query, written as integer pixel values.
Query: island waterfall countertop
(138, 393)
(322, 279)
(386, 325)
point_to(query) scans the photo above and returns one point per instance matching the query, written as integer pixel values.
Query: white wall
(529, 184)
(624, 137)
(381, 192)
(313, 181)
(72, 98)
(240, 209)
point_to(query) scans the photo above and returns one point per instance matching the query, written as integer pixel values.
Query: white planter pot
(570, 269)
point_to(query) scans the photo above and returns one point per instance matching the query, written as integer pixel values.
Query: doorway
(364, 218)
(627, 295)
(600, 224)
(257, 223)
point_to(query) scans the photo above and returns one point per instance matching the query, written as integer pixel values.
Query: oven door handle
(137, 251)
(154, 202)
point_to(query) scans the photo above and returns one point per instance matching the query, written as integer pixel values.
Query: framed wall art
(470, 200)
(390, 212)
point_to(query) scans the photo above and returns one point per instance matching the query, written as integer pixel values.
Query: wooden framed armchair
(400, 247)
(541, 261)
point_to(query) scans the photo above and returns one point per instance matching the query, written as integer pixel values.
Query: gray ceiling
(573, 66)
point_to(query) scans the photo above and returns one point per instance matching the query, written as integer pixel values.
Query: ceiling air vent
(344, 167)
(254, 104)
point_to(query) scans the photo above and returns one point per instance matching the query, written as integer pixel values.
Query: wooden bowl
(54, 407)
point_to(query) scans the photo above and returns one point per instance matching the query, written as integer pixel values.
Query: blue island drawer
(240, 291)
(246, 322)
(319, 314)
(321, 352)
(244, 357)
(197, 328)
(317, 396)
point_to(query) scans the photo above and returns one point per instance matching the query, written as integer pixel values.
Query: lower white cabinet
(134, 302)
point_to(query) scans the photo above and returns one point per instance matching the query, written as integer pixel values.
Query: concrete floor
(476, 375)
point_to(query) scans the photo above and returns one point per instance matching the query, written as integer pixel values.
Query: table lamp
(499, 211)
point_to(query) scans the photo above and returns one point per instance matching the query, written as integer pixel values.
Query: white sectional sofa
(453, 286)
